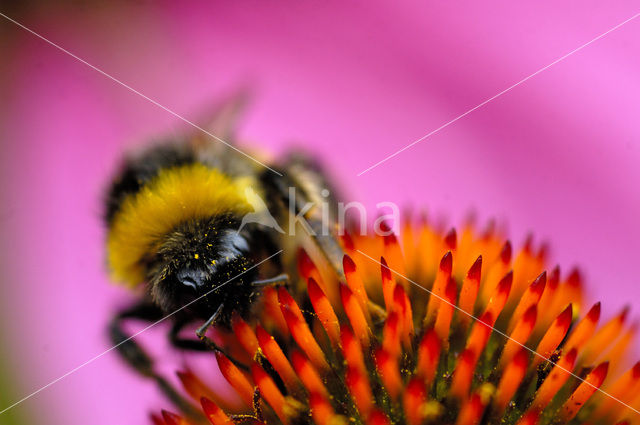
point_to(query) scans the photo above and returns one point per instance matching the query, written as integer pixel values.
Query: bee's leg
(202, 330)
(136, 357)
(202, 344)
(281, 279)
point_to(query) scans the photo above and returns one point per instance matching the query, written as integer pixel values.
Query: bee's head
(193, 260)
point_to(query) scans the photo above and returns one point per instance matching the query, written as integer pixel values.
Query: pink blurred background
(557, 155)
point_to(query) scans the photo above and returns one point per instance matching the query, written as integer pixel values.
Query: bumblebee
(199, 226)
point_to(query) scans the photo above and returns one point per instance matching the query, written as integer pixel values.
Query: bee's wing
(308, 180)
(223, 117)
(216, 145)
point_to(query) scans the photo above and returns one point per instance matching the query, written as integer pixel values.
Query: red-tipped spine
(531, 297)
(511, 378)
(415, 397)
(324, 311)
(277, 358)
(443, 276)
(500, 296)
(356, 316)
(351, 349)
(445, 313)
(354, 281)
(358, 384)
(469, 291)
(214, 413)
(554, 335)
(389, 371)
(321, 409)
(463, 374)
(388, 284)
(520, 334)
(584, 391)
(471, 411)
(270, 392)
(308, 375)
(428, 357)
(305, 339)
(556, 379)
(244, 335)
(236, 378)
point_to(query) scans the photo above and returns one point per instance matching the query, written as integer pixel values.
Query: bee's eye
(192, 278)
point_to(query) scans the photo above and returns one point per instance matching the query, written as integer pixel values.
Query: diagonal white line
(497, 95)
(132, 336)
(500, 332)
(111, 77)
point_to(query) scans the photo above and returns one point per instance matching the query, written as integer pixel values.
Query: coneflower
(436, 329)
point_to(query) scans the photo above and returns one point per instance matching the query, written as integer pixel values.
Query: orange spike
(521, 333)
(307, 268)
(324, 311)
(530, 297)
(378, 418)
(272, 315)
(308, 375)
(387, 366)
(480, 336)
(496, 272)
(463, 374)
(603, 337)
(213, 412)
(321, 409)
(286, 301)
(393, 253)
(354, 281)
(403, 306)
(428, 357)
(584, 330)
(351, 349)
(277, 358)
(549, 295)
(236, 378)
(391, 334)
(555, 380)
(172, 418)
(500, 296)
(414, 398)
(347, 241)
(355, 315)
(388, 284)
(445, 313)
(471, 411)
(469, 291)
(269, 392)
(584, 391)
(439, 286)
(360, 389)
(303, 336)
(244, 335)
(624, 389)
(530, 418)
(554, 335)
(511, 378)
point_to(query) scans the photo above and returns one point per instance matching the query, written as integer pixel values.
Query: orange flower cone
(427, 328)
